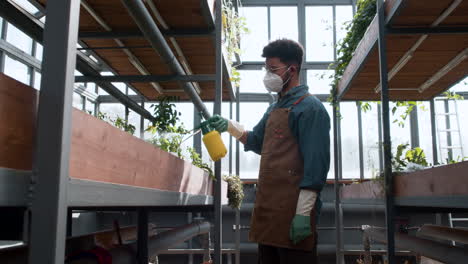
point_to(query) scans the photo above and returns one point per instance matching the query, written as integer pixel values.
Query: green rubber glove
(300, 228)
(219, 123)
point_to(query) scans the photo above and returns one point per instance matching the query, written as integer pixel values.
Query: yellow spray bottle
(213, 142)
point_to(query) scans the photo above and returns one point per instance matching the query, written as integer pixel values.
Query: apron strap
(299, 100)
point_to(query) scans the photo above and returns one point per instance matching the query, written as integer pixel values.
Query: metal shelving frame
(390, 202)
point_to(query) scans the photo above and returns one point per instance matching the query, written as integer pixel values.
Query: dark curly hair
(288, 51)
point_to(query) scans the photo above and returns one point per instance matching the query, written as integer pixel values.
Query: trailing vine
(365, 13)
(234, 26)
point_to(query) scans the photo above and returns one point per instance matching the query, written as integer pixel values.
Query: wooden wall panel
(18, 108)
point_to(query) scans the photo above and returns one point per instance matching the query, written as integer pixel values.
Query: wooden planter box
(447, 181)
(99, 151)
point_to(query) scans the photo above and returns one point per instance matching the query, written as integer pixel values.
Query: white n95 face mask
(273, 82)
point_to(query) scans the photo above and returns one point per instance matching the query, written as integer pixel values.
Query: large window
(267, 24)
(344, 14)
(283, 21)
(319, 33)
(253, 43)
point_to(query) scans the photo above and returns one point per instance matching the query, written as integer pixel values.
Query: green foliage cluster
(118, 122)
(453, 96)
(235, 191)
(165, 114)
(415, 155)
(168, 135)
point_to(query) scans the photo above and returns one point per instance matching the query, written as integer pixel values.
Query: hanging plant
(234, 26)
(235, 191)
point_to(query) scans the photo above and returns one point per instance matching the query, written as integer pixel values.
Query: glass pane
(319, 33)
(424, 127)
(250, 115)
(19, 39)
(252, 82)
(131, 92)
(463, 111)
(37, 80)
(77, 101)
(252, 44)
(461, 86)
(319, 81)
(370, 141)
(134, 119)
(17, 70)
(344, 15)
(112, 110)
(349, 140)
(284, 23)
(39, 51)
(401, 134)
(90, 107)
(331, 172)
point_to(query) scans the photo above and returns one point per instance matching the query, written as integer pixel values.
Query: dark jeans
(277, 255)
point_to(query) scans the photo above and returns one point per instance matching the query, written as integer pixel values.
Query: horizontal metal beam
(138, 34)
(427, 31)
(14, 186)
(147, 78)
(444, 232)
(20, 55)
(258, 65)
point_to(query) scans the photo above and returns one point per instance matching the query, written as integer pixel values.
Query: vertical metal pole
(361, 148)
(334, 31)
(69, 222)
(414, 128)
(380, 144)
(190, 242)
(51, 158)
(447, 127)
(142, 122)
(237, 173)
(302, 35)
(269, 22)
(230, 140)
(389, 199)
(197, 139)
(337, 186)
(142, 250)
(218, 237)
(2, 53)
(435, 158)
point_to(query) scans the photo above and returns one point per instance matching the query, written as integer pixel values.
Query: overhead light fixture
(442, 72)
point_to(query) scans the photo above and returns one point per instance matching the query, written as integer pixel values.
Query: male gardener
(294, 143)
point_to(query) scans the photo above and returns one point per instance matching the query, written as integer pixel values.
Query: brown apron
(281, 171)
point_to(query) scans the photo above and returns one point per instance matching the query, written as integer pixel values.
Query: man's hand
(219, 123)
(300, 226)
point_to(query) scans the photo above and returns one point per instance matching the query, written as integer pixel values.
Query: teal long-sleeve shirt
(310, 125)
